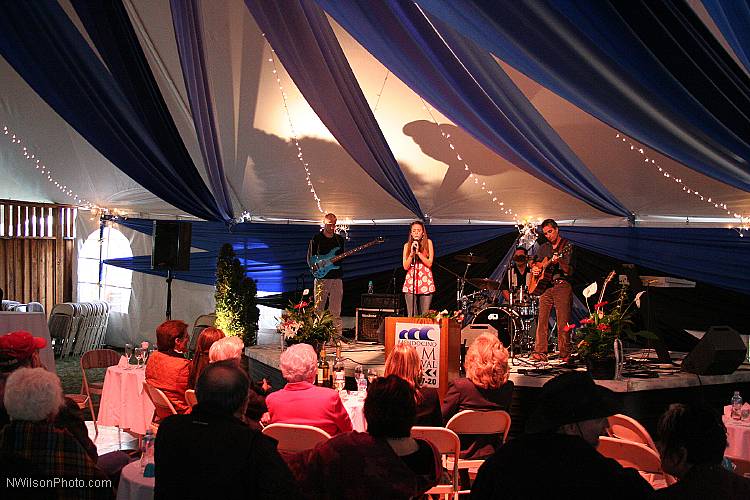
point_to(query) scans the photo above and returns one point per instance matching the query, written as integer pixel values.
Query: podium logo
(416, 333)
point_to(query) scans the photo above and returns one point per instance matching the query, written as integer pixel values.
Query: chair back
(635, 455)
(160, 400)
(295, 437)
(191, 398)
(201, 323)
(447, 443)
(625, 427)
(96, 358)
(34, 307)
(480, 422)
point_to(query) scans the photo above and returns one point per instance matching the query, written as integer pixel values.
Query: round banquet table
(738, 438)
(124, 403)
(133, 486)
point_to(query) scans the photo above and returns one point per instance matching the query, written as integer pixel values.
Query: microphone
(415, 246)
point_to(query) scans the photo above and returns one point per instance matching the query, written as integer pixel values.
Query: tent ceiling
(260, 157)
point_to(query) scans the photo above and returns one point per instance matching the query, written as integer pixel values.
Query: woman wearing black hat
(557, 456)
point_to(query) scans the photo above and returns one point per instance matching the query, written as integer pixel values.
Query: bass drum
(503, 319)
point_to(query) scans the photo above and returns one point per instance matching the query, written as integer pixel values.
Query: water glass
(359, 376)
(372, 374)
(138, 351)
(128, 354)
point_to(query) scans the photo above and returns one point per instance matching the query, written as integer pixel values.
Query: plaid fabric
(55, 453)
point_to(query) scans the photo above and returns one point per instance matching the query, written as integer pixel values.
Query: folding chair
(295, 437)
(494, 422)
(161, 402)
(625, 427)
(447, 443)
(201, 323)
(637, 456)
(96, 358)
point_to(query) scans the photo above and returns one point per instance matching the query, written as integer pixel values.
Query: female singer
(417, 259)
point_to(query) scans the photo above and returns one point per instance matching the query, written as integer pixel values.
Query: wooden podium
(446, 351)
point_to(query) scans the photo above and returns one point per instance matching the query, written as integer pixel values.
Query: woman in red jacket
(167, 369)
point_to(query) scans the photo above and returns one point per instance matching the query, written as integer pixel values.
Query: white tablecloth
(738, 434)
(355, 408)
(133, 486)
(34, 323)
(124, 403)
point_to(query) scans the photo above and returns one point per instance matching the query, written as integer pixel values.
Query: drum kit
(514, 320)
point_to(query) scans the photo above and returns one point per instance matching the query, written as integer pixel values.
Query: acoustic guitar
(320, 265)
(541, 282)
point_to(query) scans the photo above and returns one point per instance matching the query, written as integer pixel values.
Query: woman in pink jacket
(301, 402)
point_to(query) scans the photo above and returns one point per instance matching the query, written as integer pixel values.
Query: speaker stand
(169, 294)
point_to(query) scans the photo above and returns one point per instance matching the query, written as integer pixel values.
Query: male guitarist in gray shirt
(551, 281)
(329, 287)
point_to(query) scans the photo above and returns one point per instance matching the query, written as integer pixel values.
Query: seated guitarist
(559, 293)
(330, 287)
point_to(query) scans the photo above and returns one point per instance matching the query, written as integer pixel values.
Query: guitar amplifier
(380, 301)
(370, 325)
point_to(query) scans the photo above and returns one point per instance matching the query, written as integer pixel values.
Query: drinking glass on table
(138, 351)
(128, 354)
(372, 374)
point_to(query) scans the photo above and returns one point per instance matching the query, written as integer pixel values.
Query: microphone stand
(414, 283)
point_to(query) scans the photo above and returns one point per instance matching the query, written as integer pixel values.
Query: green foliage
(598, 332)
(301, 323)
(236, 298)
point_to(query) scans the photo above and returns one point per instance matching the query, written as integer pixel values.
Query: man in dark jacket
(211, 452)
(557, 456)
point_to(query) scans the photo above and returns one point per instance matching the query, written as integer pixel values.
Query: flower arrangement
(437, 316)
(301, 323)
(598, 332)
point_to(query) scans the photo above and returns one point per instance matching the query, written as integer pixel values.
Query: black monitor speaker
(720, 352)
(171, 245)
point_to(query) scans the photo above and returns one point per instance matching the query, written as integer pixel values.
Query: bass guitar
(542, 281)
(320, 265)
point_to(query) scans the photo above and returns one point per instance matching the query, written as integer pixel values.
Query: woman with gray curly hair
(301, 402)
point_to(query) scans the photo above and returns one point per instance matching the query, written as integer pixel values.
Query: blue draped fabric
(712, 256)
(733, 19)
(275, 254)
(302, 38)
(468, 86)
(188, 29)
(45, 48)
(601, 56)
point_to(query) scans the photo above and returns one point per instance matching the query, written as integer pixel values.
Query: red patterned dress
(425, 282)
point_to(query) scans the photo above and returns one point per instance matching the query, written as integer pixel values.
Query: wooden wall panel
(32, 267)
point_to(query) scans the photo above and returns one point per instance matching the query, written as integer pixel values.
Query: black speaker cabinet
(171, 245)
(370, 326)
(380, 301)
(719, 352)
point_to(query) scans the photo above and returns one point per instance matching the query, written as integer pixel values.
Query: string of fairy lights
(45, 171)
(744, 220)
(482, 185)
(295, 138)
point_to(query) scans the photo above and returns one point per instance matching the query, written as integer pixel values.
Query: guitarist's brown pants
(560, 295)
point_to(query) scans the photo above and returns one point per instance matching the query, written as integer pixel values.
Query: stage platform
(642, 398)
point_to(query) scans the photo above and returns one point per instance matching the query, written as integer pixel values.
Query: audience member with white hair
(33, 397)
(230, 349)
(301, 402)
(226, 348)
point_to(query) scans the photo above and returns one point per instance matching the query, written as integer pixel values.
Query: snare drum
(503, 319)
(528, 309)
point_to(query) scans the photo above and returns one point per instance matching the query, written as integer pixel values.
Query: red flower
(568, 328)
(602, 327)
(600, 305)
(302, 305)
(586, 321)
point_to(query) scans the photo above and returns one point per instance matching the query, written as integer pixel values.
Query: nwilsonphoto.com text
(56, 482)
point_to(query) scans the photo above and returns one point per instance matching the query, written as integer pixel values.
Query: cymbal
(471, 259)
(485, 283)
